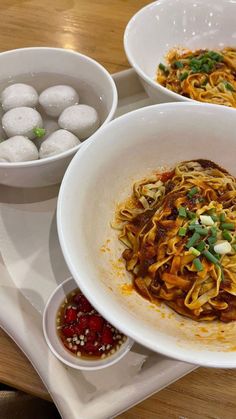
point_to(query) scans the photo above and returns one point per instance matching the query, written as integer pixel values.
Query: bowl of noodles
(185, 50)
(150, 233)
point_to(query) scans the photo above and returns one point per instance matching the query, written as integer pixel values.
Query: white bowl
(142, 140)
(64, 62)
(166, 24)
(56, 346)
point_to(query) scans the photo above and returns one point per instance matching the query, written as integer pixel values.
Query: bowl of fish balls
(52, 101)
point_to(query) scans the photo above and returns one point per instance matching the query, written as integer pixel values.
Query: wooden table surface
(95, 28)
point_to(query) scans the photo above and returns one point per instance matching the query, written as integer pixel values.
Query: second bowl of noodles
(150, 234)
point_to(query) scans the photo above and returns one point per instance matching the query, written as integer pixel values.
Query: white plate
(31, 266)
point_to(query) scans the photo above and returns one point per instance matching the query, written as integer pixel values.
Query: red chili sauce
(83, 331)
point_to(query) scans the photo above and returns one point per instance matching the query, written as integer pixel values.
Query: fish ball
(18, 149)
(18, 94)
(21, 121)
(57, 98)
(82, 120)
(59, 141)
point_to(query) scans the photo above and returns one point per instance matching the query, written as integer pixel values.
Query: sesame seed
(70, 345)
(75, 347)
(112, 329)
(75, 339)
(68, 339)
(81, 343)
(81, 337)
(118, 336)
(77, 342)
(112, 351)
(95, 343)
(103, 356)
(78, 353)
(58, 320)
(103, 347)
(86, 331)
(108, 346)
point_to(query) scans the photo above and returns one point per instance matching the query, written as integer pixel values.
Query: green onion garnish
(183, 75)
(226, 235)
(163, 68)
(213, 230)
(194, 251)
(195, 237)
(222, 217)
(210, 257)
(227, 226)
(197, 264)
(229, 86)
(178, 64)
(201, 246)
(201, 230)
(193, 192)
(39, 132)
(182, 231)
(182, 212)
(191, 215)
(234, 247)
(212, 240)
(214, 217)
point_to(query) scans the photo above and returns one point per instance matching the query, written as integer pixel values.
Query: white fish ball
(59, 141)
(57, 98)
(21, 121)
(19, 94)
(2, 132)
(18, 149)
(82, 120)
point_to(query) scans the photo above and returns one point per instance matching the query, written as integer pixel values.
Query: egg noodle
(207, 76)
(179, 231)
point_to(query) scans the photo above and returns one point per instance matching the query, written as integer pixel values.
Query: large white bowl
(64, 62)
(100, 176)
(166, 24)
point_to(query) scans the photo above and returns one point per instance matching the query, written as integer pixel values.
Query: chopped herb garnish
(210, 257)
(182, 212)
(178, 64)
(193, 192)
(214, 217)
(212, 240)
(39, 132)
(198, 265)
(226, 235)
(191, 242)
(163, 68)
(213, 230)
(194, 251)
(234, 247)
(222, 217)
(191, 214)
(227, 226)
(182, 231)
(201, 246)
(229, 86)
(201, 230)
(183, 75)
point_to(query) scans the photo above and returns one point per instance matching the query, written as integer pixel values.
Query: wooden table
(95, 28)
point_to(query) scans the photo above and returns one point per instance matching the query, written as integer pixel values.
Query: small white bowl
(54, 342)
(15, 63)
(142, 141)
(166, 24)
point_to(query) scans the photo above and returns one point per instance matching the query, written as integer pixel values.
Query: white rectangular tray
(31, 266)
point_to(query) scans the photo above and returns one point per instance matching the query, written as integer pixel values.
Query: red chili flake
(91, 336)
(83, 304)
(107, 337)
(90, 347)
(82, 324)
(68, 331)
(96, 323)
(70, 315)
(166, 176)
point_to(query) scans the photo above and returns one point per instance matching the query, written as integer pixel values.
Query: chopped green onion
(183, 75)
(214, 217)
(191, 214)
(234, 247)
(222, 217)
(195, 237)
(226, 235)
(193, 192)
(227, 226)
(194, 251)
(163, 68)
(211, 211)
(210, 257)
(222, 274)
(229, 86)
(193, 226)
(201, 246)
(212, 240)
(182, 231)
(201, 230)
(178, 64)
(39, 132)
(198, 265)
(182, 212)
(213, 231)
(206, 220)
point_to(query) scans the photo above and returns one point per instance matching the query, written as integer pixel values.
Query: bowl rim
(100, 363)
(71, 151)
(146, 341)
(132, 61)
